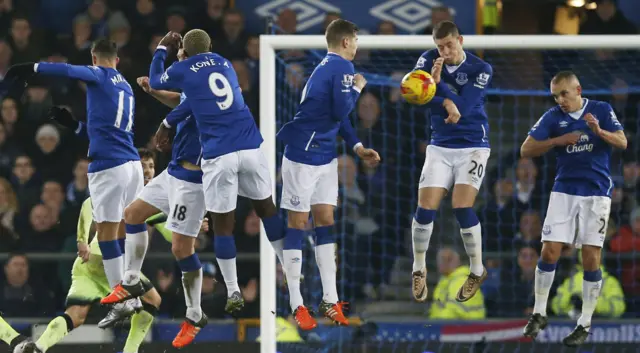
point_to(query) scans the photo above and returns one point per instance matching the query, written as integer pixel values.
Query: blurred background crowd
(43, 171)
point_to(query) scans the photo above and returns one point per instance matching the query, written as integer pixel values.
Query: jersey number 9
(225, 92)
(121, 112)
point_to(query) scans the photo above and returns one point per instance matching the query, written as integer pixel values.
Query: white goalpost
(268, 112)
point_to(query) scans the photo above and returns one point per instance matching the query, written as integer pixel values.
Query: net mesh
(373, 218)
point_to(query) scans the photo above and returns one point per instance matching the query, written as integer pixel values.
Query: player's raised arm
(472, 93)
(160, 79)
(540, 141)
(346, 90)
(178, 114)
(63, 117)
(168, 98)
(608, 127)
(88, 74)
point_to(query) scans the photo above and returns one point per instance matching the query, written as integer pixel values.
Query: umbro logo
(564, 123)
(409, 15)
(309, 12)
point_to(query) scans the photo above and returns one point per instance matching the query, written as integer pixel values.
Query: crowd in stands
(43, 171)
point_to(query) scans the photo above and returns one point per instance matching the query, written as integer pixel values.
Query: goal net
(376, 205)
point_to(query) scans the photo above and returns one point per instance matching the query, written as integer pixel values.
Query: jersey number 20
(225, 92)
(120, 112)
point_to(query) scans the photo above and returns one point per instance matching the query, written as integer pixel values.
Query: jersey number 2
(120, 112)
(225, 92)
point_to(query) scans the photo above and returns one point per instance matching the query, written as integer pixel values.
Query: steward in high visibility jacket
(286, 331)
(569, 296)
(445, 306)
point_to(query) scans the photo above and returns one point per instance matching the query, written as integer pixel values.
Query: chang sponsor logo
(309, 12)
(583, 145)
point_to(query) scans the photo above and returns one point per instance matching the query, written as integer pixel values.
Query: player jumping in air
(115, 174)
(457, 154)
(582, 134)
(232, 163)
(177, 192)
(89, 284)
(310, 167)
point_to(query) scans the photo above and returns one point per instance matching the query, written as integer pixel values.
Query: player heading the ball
(457, 154)
(310, 166)
(582, 133)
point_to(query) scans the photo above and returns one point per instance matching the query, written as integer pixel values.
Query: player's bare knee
(551, 252)
(223, 223)
(591, 257)
(322, 215)
(77, 314)
(152, 298)
(429, 198)
(265, 208)
(182, 246)
(297, 220)
(107, 231)
(464, 196)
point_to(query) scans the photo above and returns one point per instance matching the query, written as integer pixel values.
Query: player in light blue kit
(115, 173)
(456, 156)
(310, 167)
(582, 133)
(232, 162)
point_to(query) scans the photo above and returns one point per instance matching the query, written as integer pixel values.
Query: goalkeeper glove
(63, 117)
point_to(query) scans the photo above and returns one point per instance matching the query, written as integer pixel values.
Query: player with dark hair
(310, 167)
(232, 163)
(582, 133)
(456, 156)
(89, 284)
(115, 175)
(177, 192)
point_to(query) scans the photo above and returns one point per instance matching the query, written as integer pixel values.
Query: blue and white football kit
(581, 192)
(177, 191)
(458, 153)
(310, 165)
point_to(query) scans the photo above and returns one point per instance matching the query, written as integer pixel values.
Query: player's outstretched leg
(268, 213)
(545, 272)
(325, 250)
(58, 328)
(134, 249)
(292, 265)
(9, 335)
(142, 320)
(225, 248)
(183, 248)
(463, 198)
(591, 288)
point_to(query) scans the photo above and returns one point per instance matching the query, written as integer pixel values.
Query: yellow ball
(418, 87)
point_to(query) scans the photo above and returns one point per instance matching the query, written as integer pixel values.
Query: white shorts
(181, 201)
(113, 189)
(589, 213)
(305, 185)
(243, 173)
(444, 167)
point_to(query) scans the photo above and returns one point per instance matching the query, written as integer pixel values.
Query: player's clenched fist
(162, 138)
(171, 40)
(359, 81)
(593, 123)
(567, 139)
(436, 69)
(143, 82)
(370, 156)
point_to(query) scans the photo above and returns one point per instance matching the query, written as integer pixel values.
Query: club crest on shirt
(295, 200)
(347, 80)
(461, 78)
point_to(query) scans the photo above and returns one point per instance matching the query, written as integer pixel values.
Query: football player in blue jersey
(456, 156)
(310, 167)
(582, 133)
(176, 192)
(232, 163)
(115, 174)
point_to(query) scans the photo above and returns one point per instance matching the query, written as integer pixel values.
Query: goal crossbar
(270, 43)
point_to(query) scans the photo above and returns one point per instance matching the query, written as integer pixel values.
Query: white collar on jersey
(452, 68)
(578, 114)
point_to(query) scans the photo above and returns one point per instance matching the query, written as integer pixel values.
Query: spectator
(530, 229)
(328, 18)
(78, 188)
(253, 60)
(517, 286)
(500, 217)
(5, 58)
(41, 235)
(287, 22)
(386, 28)
(98, 13)
(232, 45)
(23, 46)
(78, 48)
(25, 184)
(628, 241)
(176, 19)
(568, 299)
(8, 210)
(145, 19)
(606, 19)
(210, 20)
(452, 276)
(10, 119)
(22, 296)
(249, 94)
(49, 156)
(438, 14)
(7, 153)
(527, 193)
